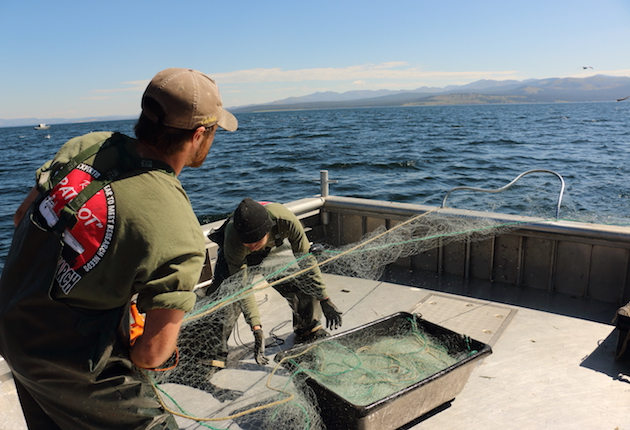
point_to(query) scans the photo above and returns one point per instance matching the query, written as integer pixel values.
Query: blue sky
(72, 59)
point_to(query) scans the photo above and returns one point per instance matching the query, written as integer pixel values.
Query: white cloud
(136, 86)
(262, 85)
(390, 71)
(97, 97)
(258, 85)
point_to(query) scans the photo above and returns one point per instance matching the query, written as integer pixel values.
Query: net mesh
(371, 368)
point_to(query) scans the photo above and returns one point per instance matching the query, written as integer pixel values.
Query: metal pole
(323, 179)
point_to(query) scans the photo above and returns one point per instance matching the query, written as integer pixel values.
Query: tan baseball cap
(185, 99)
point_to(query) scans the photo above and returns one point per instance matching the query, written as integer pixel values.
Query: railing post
(324, 181)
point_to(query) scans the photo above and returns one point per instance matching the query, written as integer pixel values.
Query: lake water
(411, 155)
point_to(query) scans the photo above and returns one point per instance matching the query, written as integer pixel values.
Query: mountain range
(598, 88)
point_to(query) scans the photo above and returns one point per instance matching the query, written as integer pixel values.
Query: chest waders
(71, 366)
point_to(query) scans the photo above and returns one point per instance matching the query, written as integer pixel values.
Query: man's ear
(198, 136)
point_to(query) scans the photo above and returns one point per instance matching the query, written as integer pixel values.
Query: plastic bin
(622, 350)
(403, 406)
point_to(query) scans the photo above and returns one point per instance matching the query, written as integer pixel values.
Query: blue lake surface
(411, 155)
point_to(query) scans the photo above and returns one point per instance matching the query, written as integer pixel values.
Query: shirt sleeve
(235, 254)
(301, 246)
(171, 285)
(251, 313)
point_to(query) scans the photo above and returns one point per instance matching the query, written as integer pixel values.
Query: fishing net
(368, 258)
(240, 394)
(369, 367)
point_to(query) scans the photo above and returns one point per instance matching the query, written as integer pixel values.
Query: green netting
(371, 368)
(362, 373)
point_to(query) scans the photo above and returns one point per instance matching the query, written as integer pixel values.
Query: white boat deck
(552, 365)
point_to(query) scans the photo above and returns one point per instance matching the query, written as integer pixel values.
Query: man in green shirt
(249, 237)
(107, 221)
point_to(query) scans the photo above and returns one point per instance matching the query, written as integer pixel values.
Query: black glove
(259, 347)
(333, 316)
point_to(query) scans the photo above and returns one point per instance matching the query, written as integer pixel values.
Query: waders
(71, 366)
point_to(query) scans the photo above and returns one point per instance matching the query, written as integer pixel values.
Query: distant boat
(42, 127)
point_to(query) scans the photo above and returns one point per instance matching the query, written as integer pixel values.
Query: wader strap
(281, 228)
(125, 162)
(76, 160)
(218, 235)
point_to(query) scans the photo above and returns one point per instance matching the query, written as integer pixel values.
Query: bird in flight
(586, 67)
(623, 98)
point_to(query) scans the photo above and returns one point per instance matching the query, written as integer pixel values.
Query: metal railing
(505, 187)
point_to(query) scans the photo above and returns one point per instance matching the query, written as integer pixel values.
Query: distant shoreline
(261, 110)
(8, 123)
(24, 122)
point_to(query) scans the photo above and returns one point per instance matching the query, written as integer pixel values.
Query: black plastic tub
(405, 405)
(622, 351)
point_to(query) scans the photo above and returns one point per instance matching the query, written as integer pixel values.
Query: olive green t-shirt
(287, 226)
(138, 235)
